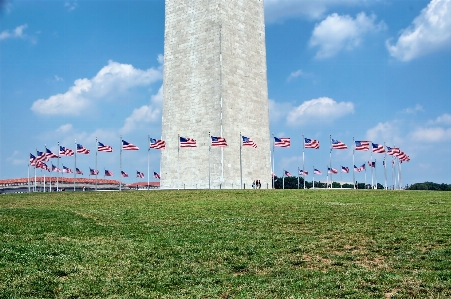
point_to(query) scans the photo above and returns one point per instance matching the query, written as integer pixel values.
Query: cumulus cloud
(336, 33)
(444, 119)
(16, 33)
(278, 110)
(319, 110)
(428, 33)
(295, 74)
(413, 110)
(114, 78)
(71, 6)
(389, 132)
(145, 114)
(276, 10)
(436, 134)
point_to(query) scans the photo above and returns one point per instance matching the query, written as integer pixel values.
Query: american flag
(371, 164)
(311, 143)
(378, 148)
(316, 171)
(248, 142)
(128, 146)
(108, 173)
(41, 156)
(357, 169)
(362, 145)
(344, 169)
(363, 167)
(218, 141)
(49, 154)
(124, 174)
(104, 148)
(303, 172)
(336, 144)
(43, 166)
(139, 174)
(402, 156)
(157, 144)
(93, 171)
(274, 175)
(332, 170)
(78, 171)
(287, 173)
(82, 150)
(392, 150)
(67, 169)
(282, 142)
(33, 160)
(55, 169)
(187, 142)
(156, 175)
(65, 151)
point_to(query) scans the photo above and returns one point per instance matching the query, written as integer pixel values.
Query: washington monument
(215, 84)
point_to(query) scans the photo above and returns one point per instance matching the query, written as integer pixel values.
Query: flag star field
(374, 71)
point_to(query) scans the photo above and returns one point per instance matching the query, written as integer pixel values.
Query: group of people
(256, 184)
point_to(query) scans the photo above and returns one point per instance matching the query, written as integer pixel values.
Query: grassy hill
(226, 244)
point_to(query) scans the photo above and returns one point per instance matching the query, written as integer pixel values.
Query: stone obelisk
(215, 84)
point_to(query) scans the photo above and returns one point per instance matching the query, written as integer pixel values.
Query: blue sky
(373, 70)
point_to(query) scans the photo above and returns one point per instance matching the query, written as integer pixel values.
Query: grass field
(226, 244)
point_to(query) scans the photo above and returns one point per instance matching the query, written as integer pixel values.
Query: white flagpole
(330, 162)
(375, 172)
(313, 178)
(148, 163)
(385, 167)
(303, 160)
(273, 157)
(75, 166)
(209, 160)
(283, 179)
(29, 163)
(57, 175)
(241, 161)
(97, 150)
(372, 176)
(353, 163)
(120, 166)
(298, 176)
(178, 161)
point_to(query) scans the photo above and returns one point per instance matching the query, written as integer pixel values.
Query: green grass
(226, 244)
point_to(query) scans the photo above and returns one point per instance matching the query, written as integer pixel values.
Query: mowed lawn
(226, 244)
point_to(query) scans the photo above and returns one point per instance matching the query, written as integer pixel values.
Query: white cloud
(388, 132)
(144, 114)
(295, 74)
(276, 10)
(57, 79)
(278, 110)
(319, 110)
(444, 119)
(64, 128)
(429, 32)
(71, 6)
(113, 79)
(16, 33)
(336, 33)
(436, 134)
(410, 110)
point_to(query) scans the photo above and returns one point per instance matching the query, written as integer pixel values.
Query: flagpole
(353, 163)
(120, 165)
(385, 166)
(371, 158)
(57, 175)
(273, 157)
(75, 157)
(29, 174)
(209, 160)
(375, 172)
(330, 161)
(298, 177)
(241, 161)
(178, 162)
(303, 160)
(35, 183)
(97, 150)
(313, 178)
(283, 180)
(148, 163)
